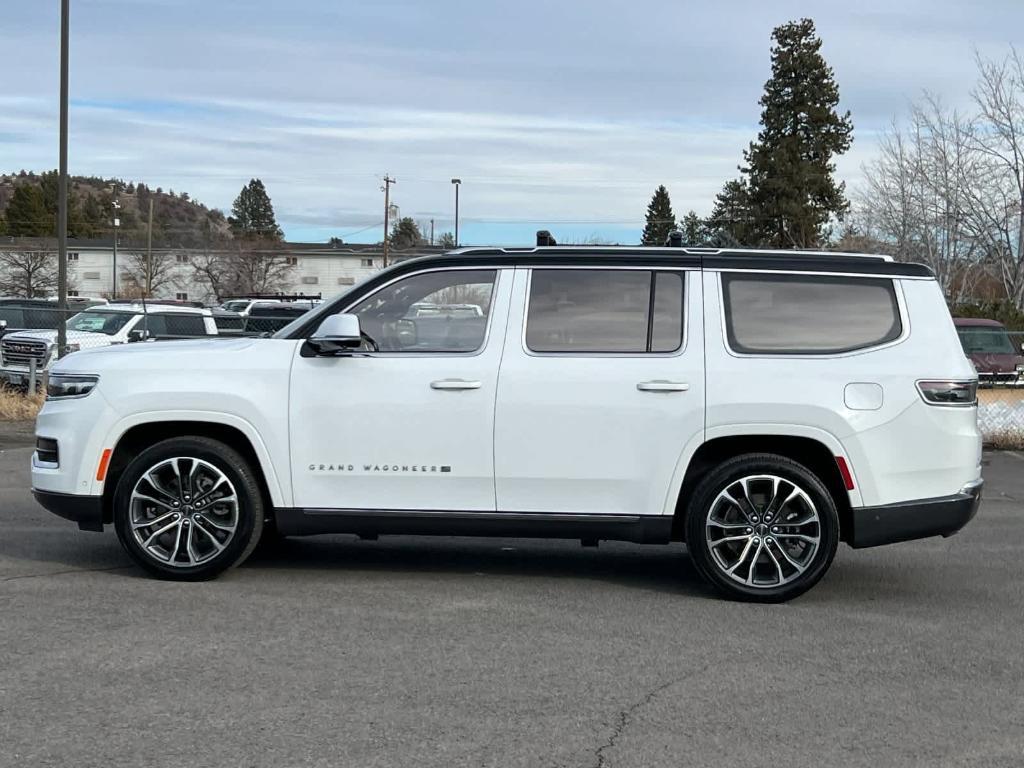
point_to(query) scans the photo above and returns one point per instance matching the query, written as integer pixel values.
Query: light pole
(456, 182)
(62, 184)
(386, 189)
(117, 223)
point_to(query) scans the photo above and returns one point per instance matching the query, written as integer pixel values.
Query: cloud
(565, 112)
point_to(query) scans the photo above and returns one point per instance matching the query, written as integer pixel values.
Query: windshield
(99, 322)
(986, 341)
(238, 305)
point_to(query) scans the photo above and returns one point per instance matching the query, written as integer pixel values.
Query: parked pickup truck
(100, 326)
(760, 406)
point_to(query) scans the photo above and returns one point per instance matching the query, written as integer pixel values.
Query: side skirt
(642, 529)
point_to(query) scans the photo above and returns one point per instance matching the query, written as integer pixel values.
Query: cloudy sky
(555, 114)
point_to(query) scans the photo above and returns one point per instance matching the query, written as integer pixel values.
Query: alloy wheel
(763, 531)
(183, 512)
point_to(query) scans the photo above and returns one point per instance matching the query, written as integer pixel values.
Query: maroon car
(989, 346)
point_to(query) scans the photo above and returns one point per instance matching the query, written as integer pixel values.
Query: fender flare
(279, 496)
(822, 436)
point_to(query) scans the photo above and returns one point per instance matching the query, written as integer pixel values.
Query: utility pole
(386, 189)
(431, 231)
(149, 251)
(117, 223)
(457, 183)
(62, 185)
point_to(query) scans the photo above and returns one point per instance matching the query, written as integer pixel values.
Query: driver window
(443, 311)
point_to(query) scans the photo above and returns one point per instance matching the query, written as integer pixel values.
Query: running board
(642, 529)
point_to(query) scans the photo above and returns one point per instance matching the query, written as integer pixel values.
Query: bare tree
(261, 267)
(148, 275)
(247, 267)
(28, 273)
(921, 193)
(999, 96)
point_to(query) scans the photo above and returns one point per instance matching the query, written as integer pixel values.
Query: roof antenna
(674, 239)
(545, 238)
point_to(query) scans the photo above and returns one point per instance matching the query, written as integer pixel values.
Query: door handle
(660, 385)
(454, 384)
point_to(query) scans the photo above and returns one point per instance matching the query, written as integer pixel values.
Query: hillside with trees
(28, 208)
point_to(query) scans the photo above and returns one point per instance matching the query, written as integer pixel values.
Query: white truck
(96, 327)
(760, 406)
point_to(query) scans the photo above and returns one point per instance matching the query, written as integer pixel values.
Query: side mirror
(337, 334)
(137, 335)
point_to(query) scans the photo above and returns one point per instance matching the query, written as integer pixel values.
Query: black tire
(248, 515)
(768, 538)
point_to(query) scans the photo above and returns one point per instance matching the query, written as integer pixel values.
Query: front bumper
(888, 524)
(87, 511)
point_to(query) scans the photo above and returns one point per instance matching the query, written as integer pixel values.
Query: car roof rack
(278, 296)
(545, 238)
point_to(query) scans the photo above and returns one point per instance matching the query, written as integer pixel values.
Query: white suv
(101, 326)
(760, 406)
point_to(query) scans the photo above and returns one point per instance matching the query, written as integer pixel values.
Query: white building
(313, 268)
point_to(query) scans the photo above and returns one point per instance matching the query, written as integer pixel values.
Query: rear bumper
(87, 511)
(888, 524)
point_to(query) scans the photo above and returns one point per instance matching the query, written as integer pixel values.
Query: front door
(409, 425)
(601, 388)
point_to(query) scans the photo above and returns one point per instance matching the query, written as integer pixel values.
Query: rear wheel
(188, 509)
(762, 528)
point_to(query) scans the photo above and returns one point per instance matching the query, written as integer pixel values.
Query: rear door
(601, 387)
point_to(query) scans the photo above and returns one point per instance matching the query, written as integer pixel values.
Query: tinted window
(173, 325)
(979, 340)
(584, 310)
(430, 312)
(779, 314)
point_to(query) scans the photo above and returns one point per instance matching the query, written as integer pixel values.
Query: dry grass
(17, 406)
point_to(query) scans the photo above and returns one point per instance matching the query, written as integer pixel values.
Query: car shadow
(661, 568)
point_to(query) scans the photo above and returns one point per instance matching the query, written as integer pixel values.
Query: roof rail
(545, 238)
(279, 296)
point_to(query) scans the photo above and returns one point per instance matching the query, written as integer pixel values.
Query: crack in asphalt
(625, 716)
(62, 573)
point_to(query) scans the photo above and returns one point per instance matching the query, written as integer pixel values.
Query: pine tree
(694, 229)
(660, 219)
(252, 214)
(27, 215)
(731, 220)
(789, 168)
(405, 234)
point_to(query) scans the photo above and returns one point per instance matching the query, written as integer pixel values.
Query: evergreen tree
(27, 215)
(789, 168)
(405, 233)
(660, 219)
(694, 229)
(731, 220)
(252, 214)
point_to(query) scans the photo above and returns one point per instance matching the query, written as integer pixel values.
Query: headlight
(65, 385)
(73, 347)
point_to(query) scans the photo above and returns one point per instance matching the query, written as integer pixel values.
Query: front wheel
(188, 509)
(762, 528)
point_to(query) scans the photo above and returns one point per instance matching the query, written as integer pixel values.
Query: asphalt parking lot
(447, 652)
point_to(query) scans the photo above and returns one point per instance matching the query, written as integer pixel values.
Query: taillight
(949, 392)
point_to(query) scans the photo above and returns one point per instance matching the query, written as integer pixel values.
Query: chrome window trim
(687, 289)
(897, 291)
(498, 282)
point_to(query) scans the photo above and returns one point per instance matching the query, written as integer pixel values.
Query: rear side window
(797, 314)
(605, 311)
(173, 325)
